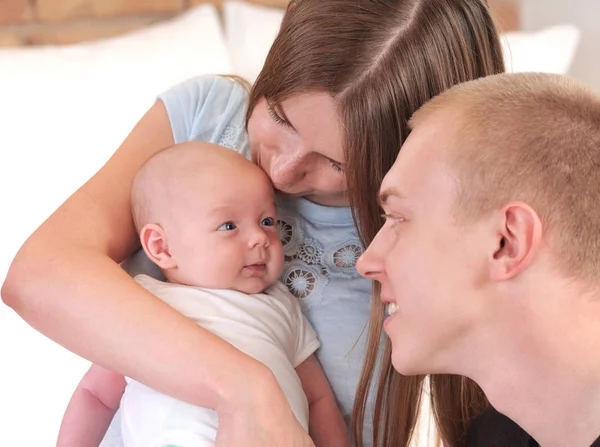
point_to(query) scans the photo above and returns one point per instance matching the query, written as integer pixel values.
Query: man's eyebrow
(384, 195)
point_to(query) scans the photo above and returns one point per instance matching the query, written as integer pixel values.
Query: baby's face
(227, 237)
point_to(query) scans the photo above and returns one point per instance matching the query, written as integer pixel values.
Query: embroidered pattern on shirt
(341, 259)
(285, 232)
(301, 281)
(310, 251)
(229, 137)
(309, 264)
(305, 282)
(347, 256)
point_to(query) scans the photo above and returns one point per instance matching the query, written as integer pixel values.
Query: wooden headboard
(56, 22)
(506, 12)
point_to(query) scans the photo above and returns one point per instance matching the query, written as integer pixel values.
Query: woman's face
(298, 143)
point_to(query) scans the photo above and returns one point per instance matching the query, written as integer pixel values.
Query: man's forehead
(430, 142)
(421, 155)
(423, 146)
(430, 132)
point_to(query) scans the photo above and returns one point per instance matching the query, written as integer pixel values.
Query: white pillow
(74, 105)
(249, 33)
(63, 112)
(549, 50)
(250, 30)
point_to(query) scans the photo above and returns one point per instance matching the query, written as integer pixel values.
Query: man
(489, 261)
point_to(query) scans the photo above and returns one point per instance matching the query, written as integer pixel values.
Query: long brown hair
(381, 60)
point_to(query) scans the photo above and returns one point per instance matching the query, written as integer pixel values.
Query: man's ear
(154, 242)
(519, 233)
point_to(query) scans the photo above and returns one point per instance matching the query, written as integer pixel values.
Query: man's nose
(370, 264)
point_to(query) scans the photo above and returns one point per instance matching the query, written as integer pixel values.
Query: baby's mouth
(257, 267)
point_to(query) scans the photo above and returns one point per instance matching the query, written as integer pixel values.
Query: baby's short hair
(164, 178)
(157, 184)
(150, 182)
(534, 138)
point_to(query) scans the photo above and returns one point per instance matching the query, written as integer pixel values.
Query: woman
(325, 120)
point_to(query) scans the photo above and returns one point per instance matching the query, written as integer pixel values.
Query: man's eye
(268, 222)
(393, 219)
(227, 226)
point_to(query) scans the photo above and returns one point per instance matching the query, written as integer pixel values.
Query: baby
(207, 218)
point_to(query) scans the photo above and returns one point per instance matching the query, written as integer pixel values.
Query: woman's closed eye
(276, 116)
(282, 121)
(227, 226)
(337, 167)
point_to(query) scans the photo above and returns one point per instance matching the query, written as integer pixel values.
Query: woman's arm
(66, 282)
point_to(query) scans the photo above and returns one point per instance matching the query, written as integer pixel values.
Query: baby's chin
(254, 286)
(250, 286)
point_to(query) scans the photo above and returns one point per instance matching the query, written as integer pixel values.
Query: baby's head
(207, 217)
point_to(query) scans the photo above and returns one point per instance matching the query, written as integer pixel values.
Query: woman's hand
(260, 416)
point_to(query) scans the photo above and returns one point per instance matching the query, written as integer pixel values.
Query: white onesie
(269, 327)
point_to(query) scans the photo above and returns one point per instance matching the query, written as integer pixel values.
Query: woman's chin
(336, 200)
(290, 192)
(340, 200)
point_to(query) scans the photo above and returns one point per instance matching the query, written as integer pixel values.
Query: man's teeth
(392, 308)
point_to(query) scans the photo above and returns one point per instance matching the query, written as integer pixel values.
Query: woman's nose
(286, 170)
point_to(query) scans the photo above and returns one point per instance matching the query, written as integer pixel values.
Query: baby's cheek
(218, 267)
(277, 259)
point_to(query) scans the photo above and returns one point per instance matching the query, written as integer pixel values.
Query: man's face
(430, 268)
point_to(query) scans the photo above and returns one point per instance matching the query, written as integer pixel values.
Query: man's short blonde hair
(533, 138)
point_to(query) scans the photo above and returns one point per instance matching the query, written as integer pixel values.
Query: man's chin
(406, 370)
(409, 365)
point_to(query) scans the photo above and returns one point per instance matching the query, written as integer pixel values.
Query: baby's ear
(154, 242)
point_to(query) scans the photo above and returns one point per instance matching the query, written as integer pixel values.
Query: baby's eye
(268, 222)
(227, 226)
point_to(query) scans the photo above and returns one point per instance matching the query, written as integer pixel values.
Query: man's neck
(547, 378)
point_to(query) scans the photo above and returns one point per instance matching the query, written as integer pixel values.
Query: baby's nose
(259, 238)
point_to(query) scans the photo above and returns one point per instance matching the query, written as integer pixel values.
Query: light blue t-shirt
(320, 243)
